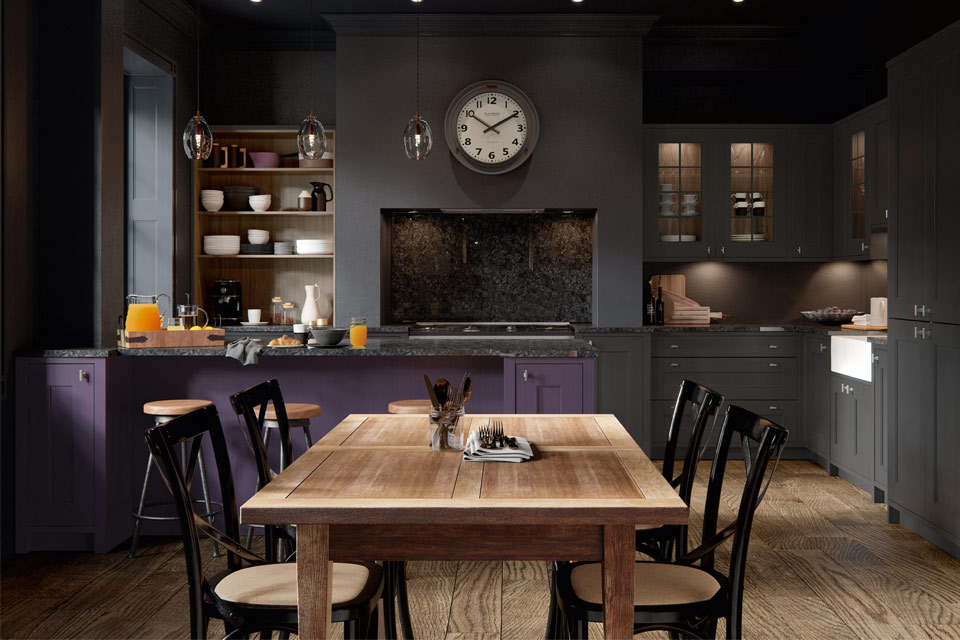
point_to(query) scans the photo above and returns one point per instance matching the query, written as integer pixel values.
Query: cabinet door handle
(773, 346)
(674, 346)
(823, 348)
(526, 375)
(773, 364)
(723, 250)
(864, 246)
(924, 310)
(849, 388)
(843, 388)
(83, 376)
(886, 214)
(773, 407)
(674, 364)
(876, 358)
(923, 334)
(590, 342)
(916, 312)
(708, 249)
(798, 251)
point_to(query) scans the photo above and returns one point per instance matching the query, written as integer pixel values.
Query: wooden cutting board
(862, 327)
(673, 283)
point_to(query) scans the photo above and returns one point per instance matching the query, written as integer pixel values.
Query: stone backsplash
(529, 267)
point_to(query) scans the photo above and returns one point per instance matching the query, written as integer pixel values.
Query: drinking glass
(358, 332)
(177, 324)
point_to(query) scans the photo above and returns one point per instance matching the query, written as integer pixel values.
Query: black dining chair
(688, 597)
(260, 596)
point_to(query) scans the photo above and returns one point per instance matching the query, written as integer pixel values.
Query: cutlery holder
(446, 432)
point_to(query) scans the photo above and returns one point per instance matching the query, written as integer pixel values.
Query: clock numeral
(491, 99)
(506, 103)
(516, 143)
(463, 127)
(469, 113)
(479, 103)
(479, 149)
(506, 151)
(492, 155)
(467, 142)
(519, 127)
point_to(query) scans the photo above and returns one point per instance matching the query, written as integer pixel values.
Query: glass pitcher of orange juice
(143, 312)
(358, 332)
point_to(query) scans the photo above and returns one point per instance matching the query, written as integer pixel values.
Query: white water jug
(311, 312)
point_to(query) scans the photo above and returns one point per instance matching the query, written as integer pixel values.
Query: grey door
(815, 400)
(943, 481)
(811, 193)
(945, 294)
(149, 200)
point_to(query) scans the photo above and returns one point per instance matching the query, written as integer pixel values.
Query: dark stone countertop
(511, 348)
(288, 329)
(718, 327)
(880, 341)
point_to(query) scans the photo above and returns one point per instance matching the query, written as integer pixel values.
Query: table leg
(618, 559)
(314, 580)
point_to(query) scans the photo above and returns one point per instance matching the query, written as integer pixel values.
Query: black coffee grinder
(228, 302)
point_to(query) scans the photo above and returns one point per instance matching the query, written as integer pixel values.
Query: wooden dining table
(372, 489)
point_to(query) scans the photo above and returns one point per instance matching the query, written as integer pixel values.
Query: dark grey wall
(778, 291)
(268, 87)
(588, 155)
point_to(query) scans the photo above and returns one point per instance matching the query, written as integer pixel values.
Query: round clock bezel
(515, 94)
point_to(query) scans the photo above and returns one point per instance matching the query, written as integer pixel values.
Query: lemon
(195, 328)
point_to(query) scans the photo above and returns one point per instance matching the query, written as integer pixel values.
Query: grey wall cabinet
(811, 193)
(815, 396)
(621, 385)
(924, 432)
(738, 366)
(852, 430)
(924, 100)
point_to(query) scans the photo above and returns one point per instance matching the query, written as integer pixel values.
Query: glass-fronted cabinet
(858, 187)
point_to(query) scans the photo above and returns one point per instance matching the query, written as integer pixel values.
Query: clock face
(491, 127)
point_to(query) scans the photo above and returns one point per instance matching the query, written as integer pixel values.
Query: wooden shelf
(278, 170)
(250, 256)
(300, 214)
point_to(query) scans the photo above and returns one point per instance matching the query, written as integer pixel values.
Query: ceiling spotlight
(577, 1)
(737, 1)
(416, 1)
(256, 1)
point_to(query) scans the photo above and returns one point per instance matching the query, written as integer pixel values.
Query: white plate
(326, 346)
(674, 238)
(253, 324)
(283, 346)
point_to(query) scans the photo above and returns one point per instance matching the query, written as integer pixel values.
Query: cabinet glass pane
(679, 174)
(858, 186)
(751, 192)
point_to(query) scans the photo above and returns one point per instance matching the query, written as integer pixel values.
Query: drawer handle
(674, 346)
(773, 407)
(526, 375)
(674, 364)
(83, 375)
(823, 348)
(773, 364)
(773, 346)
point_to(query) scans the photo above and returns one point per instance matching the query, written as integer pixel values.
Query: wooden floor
(823, 564)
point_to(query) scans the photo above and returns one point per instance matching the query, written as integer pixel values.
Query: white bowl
(212, 206)
(260, 203)
(258, 238)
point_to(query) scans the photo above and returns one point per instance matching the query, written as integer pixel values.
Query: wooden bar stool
(298, 415)
(409, 406)
(164, 411)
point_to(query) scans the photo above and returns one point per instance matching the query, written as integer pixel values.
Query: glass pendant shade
(197, 138)
(312, 139)
(417, 138)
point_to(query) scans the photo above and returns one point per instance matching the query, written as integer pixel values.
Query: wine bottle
(658, 305)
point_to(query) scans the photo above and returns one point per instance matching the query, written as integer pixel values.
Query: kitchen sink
(852, 355)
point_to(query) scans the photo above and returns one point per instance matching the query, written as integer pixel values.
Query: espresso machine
(228, 302)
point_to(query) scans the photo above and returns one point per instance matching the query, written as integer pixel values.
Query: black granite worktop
(717, 327)
(510, 348)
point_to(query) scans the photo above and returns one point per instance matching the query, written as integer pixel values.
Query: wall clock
(491, 127)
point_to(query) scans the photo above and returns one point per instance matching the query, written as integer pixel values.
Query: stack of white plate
(221, 245)
(260, 202)
(282, 248)
(211, 199)
(678, 238)
(746, 237)
(314, 246)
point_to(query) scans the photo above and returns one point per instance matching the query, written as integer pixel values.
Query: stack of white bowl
(211, 199)
(261, 202)
(258, 236)
(314, 246)
(221, 245)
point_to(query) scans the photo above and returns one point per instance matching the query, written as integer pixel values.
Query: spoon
(442, 388)
(466, 390)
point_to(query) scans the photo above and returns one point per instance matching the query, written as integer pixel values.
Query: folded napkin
(863, 320)
(475, 453)
(245, 351)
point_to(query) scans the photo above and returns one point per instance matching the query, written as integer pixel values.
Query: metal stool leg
(137, 518)
(306, 434)
(206, 501)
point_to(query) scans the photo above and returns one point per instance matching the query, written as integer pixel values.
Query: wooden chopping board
(674, 284)
(862, 327)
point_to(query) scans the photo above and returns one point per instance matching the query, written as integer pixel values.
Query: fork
(505, 440)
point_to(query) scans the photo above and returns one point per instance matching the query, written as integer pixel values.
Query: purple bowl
(264, 159)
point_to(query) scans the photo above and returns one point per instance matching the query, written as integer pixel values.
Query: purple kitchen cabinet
(540, 385)
(70, 482)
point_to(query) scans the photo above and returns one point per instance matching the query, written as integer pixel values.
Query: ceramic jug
(319, 195)
(311, 311)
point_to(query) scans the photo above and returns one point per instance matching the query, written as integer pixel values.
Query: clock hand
(513, 115)
(488, 127)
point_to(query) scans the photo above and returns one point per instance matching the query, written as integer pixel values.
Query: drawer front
(783, 412)
(741, 378)
(715, 345)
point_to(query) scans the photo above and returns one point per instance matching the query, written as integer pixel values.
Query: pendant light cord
(418, 63)
(312, 88)
(198, 59)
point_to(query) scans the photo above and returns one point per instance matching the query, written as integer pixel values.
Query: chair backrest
(163, 440)
(706, 403)
(769, 439)
(251, 408)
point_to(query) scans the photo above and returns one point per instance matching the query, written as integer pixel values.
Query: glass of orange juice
(358, 332)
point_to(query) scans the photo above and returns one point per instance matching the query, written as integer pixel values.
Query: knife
(432, 395)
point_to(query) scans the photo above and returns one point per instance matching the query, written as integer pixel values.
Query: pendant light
(311, 139)
(197, 138)
(417, 137)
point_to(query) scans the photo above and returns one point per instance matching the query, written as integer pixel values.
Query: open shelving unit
(264, 276)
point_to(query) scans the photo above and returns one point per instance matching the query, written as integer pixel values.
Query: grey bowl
(327, 336)
(829, 318)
